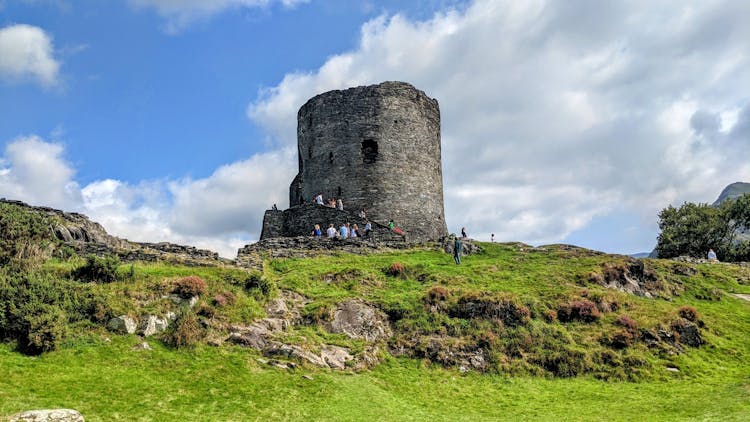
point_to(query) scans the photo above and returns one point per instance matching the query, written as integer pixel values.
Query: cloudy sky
(562, 121)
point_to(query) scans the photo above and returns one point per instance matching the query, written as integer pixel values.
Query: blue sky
(562, 122)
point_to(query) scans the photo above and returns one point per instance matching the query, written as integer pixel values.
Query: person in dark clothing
(463, 232)
(457, 248)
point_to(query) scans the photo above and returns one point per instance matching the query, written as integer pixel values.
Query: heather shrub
(550, 315)
(622, 338)
(628, 323)
(225, 299)
(186, 330)
(396, 270)
(582, 310)
(190, 286)
(689, 313)
(98, 269)
(437, 294)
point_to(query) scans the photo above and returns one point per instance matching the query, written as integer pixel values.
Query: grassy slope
(107, 381)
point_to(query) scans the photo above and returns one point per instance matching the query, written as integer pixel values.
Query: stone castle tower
(377, 147)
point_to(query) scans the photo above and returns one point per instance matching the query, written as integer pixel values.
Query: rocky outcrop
(266, 335)
(84, 236)
(468, 247)
(152, 324)
(48, 415)
(631, 276)
(122, 324)
(358, 320)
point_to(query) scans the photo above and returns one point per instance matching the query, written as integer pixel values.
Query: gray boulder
(122, 324)
(48, 415)
(359, 320)
(152, 324)
(335, 357)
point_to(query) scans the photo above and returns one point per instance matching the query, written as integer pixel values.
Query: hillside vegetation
(553, 332)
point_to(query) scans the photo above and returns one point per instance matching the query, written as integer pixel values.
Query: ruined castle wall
(378, 148)
(300, 221)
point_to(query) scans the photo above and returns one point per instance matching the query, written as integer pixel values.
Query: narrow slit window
(369, 151)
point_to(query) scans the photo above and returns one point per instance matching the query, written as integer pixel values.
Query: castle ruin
(376, 147)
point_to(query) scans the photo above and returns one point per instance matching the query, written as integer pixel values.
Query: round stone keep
(376, 147)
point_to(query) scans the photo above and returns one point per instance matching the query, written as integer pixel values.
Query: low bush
(186, 331)
(35, 309)
(258, 286)
(98, 269)
(622, 338)
(689, 313)
(396, 270)
(190, 286)
(225, 299)
(628, 323)
(437, 295)
(550, 315)
(582, 310)
(46, 328)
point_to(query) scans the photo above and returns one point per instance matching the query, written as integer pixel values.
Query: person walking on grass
(457, 248)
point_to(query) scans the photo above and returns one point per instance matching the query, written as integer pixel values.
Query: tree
(693, 229)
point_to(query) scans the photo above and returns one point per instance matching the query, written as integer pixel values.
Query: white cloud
(221, 212)
(26, 52)
(180, 13)
(554, 113)
(35, 171)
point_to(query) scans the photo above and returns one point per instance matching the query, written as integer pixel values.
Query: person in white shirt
(331, 232)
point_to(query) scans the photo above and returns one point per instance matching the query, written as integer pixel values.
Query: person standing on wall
(457, 248)
(463, 232)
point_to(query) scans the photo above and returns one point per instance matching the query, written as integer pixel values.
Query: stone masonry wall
(376, 147)
(300, 221)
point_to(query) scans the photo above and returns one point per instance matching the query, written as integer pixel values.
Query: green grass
(110, 382)
(105, 380)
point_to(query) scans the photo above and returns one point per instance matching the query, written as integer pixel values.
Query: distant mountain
(641, 255)
(733, 191)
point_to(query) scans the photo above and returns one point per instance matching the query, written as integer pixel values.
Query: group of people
(331, 202)
(346, 231)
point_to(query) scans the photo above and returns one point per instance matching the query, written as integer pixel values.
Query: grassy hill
(547, 353)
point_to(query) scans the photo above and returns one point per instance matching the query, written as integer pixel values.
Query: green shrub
(190, 286)
(23, 233)
(258, 286)
(35, 309)
(98, 269)
(186, 331)
(46, 327)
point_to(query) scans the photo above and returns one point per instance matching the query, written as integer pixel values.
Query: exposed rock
(179, 300)
(152, 324)
(254, 337)
(142, 346)
(631, 276)
(687, 333)
(275, 348)
(48, 415)
(447, 244)
(359, 320)
(122, 324)
(88, 237)
(277, 308)
(335, 357)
